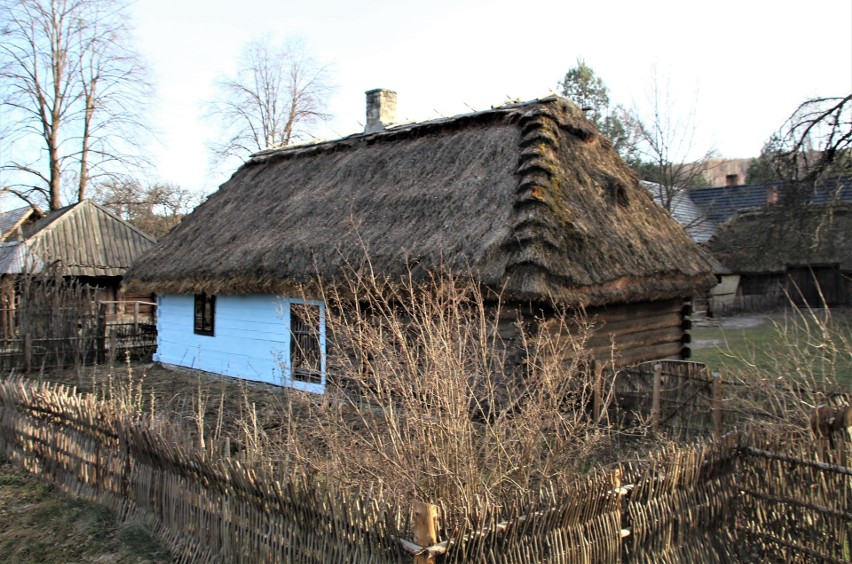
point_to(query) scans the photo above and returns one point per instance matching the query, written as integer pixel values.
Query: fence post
(100, 333)
(655, 398)
(717, 404)
(425, 529)
(598, 390)
(28, 352)
(135, 317)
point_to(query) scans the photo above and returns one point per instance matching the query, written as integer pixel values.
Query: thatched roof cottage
(528, 197)
(802, 254)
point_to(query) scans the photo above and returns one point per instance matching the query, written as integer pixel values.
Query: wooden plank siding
(251, 338)
(644, 331)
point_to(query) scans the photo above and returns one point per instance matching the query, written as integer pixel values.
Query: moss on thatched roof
(771, 239)
(527, 197)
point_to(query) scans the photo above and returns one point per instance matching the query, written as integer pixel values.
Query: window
(205, 313)
(306, 354)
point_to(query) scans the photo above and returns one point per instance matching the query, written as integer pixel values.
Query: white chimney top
(381, 109)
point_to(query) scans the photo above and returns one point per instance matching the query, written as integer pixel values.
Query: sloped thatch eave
(528, 198)
(771, 239)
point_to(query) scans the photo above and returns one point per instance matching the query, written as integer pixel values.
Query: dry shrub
(56, 314)
(435, 395)
(809, 365)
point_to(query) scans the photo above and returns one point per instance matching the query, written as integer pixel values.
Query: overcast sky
(741, 66)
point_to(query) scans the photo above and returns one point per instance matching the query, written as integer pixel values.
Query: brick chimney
(381, 109)
(772, 196)
(732, 180)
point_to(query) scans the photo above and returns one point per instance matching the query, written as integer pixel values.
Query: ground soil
(40, 524)
(226, 406)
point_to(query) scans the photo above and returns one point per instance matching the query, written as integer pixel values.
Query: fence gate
(673, 394)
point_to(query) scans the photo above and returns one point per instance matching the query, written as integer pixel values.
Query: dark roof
(12, 219)
(85, 239)
(771, 239)
(721, 203)
(529, 198)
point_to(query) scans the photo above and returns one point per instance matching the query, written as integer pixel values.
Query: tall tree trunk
(84, 150)
(55, 175)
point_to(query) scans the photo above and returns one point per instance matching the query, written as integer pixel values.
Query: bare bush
(806, 368)
(431, 401)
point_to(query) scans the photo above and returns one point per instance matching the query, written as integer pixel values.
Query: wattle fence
(741, 498)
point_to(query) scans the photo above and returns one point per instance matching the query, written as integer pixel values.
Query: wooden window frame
(204, 324)
(312, 337)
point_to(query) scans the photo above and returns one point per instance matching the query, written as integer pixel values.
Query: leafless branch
(276, 93)
(73, 88)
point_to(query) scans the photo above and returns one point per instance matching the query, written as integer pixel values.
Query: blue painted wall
(251, 337)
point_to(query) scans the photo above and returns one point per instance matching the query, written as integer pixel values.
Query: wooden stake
(425, 529)
(598, 390)
(717, 405)
(655, 398)
(28, 353)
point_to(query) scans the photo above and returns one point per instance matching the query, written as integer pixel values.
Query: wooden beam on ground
(425, 529)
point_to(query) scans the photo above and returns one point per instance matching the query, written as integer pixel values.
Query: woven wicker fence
(686, 401)
(740, 498)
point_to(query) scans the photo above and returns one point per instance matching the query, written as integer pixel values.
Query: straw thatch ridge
(528, 197)
(771, 239)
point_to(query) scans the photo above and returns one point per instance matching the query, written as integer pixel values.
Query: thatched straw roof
(770, 239)
(528, 197)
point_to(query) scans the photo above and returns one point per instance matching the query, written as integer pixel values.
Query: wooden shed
(783, 254)
(527, 197)
(84, 241)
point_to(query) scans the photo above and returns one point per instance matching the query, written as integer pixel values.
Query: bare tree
(73, 88)
(275, 94)
(813, 144)
(155, 209)
(667, 143)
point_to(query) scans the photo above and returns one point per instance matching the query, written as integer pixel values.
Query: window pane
(204, 314)
(305, 351)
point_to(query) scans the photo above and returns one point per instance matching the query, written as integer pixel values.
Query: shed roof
(84, 238)
(12, 219)
(527, 197)
(692, 218)
(721, 203)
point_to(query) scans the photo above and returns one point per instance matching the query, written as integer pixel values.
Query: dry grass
(431, 398)
(427, 400)
(43, 525)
